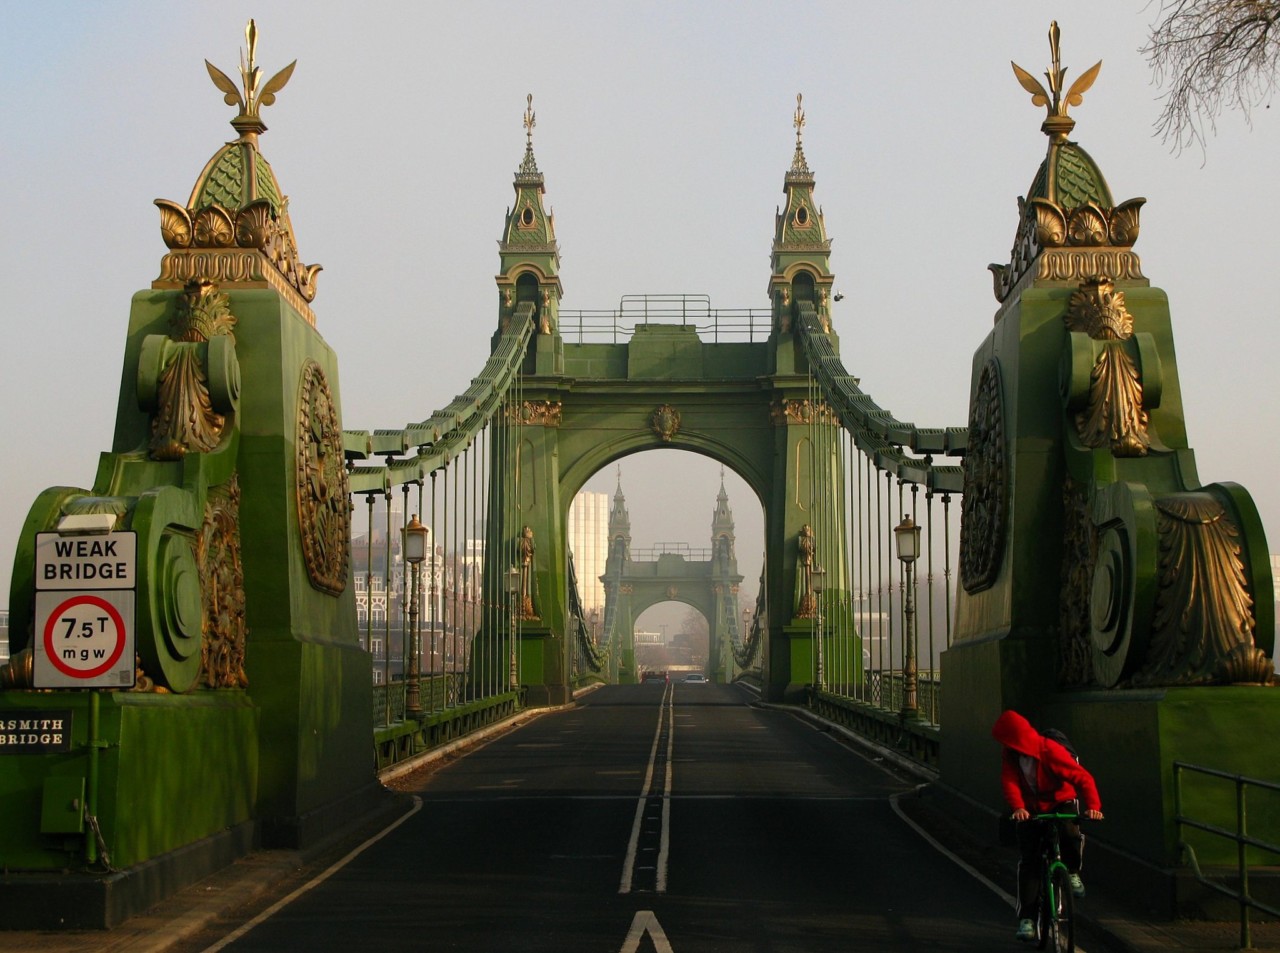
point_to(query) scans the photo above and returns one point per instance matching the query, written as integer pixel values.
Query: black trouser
(1030, 875)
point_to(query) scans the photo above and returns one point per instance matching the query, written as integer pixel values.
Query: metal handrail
(617, 325)
(1240, 836)
(683, 550)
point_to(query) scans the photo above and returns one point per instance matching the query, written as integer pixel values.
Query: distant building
(589, 542)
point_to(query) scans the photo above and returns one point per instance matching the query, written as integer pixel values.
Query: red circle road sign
(84, 636)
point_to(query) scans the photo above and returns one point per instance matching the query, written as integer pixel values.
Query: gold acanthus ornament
(187, 417)
(1202, 631)
(538, 413)
(1114, 416)
(786, 412)
(256, 227)
(222, 584)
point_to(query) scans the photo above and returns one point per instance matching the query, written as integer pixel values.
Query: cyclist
(1040, 776)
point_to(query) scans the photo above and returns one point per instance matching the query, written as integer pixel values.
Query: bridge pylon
(1104, 590)
(588, 399)
(241, 714)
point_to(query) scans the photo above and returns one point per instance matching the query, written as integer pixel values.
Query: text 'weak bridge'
(205, 599)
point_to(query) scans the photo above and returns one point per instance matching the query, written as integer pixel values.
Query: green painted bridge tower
(1104, 589)
(747, 404)
(242, 714)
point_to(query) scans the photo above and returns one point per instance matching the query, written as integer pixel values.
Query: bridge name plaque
(34, 732)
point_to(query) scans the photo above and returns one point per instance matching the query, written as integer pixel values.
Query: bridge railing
(881, 621)
(1238, 835)
(690, 553)
(714, 325)
(439, 609)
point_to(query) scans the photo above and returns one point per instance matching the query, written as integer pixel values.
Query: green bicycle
(1055, 918)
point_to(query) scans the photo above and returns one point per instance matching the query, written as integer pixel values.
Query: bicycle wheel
(1057, 927)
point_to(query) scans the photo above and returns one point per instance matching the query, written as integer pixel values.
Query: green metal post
(91, 796)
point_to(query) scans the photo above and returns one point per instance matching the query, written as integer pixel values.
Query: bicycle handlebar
(1081, 816)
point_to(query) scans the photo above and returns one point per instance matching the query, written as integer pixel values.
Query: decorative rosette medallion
(324, 510)
(984, 519)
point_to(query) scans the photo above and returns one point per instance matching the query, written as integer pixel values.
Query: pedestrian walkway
(1101, 916)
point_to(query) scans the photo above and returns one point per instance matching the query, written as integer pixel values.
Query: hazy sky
(663, 131)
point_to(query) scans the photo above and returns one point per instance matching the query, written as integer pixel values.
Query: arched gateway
(699, 380)
(671, 574)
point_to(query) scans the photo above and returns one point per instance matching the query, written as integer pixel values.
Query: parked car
(654, 676)
(697, 678)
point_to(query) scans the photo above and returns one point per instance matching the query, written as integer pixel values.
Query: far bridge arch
(706, 580)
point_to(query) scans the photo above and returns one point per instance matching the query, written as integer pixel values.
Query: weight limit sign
(85, 640)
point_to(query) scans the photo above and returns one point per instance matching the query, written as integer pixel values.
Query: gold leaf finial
(254, 96)
(530, 120)
(1057, 124)
(799, 166)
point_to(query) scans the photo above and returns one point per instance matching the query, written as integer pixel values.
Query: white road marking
(968, 869)
(664, 851)
(628, 863)
(645, 922)
(314, 882)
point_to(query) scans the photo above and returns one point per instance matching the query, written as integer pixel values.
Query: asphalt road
(653, 818)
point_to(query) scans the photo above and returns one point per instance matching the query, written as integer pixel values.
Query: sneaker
(1077, 885)
(1026, 930)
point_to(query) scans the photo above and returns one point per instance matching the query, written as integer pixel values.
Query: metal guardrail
(684, 550)
(715, 325)
(1240, 836)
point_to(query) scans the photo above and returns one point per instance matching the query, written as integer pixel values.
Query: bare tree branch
(1211, 55)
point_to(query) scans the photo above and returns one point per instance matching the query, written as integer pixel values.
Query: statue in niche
(526, 548)
(805, 545)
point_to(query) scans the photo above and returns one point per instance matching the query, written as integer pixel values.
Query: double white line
(667, 712)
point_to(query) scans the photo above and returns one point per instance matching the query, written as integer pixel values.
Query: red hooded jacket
(1059, 777)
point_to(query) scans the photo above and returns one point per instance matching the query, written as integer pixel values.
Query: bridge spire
(801, 251)
(722, 531)
(620, 523)
(530, 257)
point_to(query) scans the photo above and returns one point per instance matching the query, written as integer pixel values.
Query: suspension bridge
(201, 624)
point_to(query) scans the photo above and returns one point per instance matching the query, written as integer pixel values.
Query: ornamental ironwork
(1202, 631)
(665, 422)
(787, 412)
(222, 584)
(324, 510)
(1114, 416)
(540, 413)
(984, 517)
(185, 419)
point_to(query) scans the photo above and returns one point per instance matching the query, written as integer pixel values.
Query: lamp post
(908, 536)
(415, 551)
(817, 582)
(513, 593)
